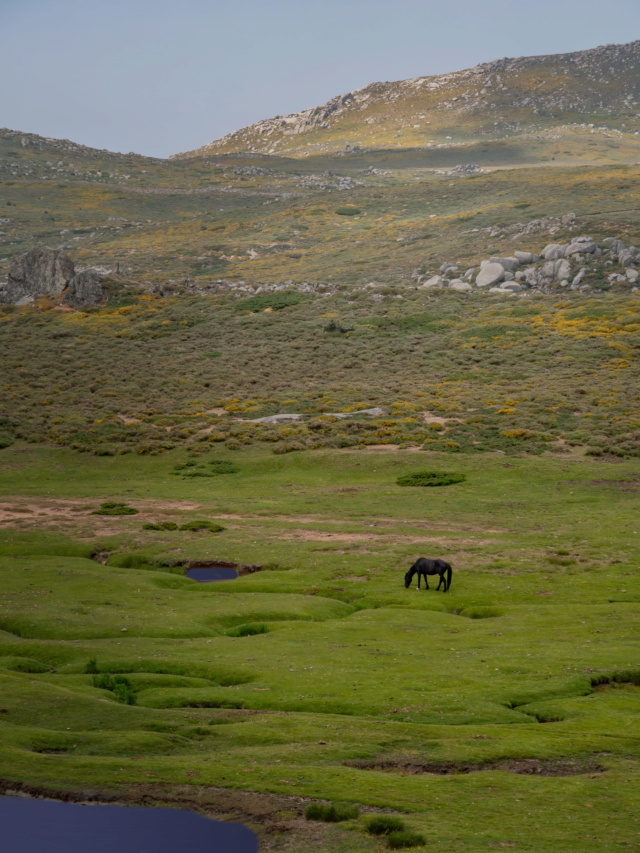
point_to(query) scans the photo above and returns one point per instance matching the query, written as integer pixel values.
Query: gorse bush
(384, 824)
(404, 840)
(113, 508)
(331, 812)
(430, 478)
(275, 301)
(199, 525)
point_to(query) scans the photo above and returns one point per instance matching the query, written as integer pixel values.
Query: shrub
(247, 630)
(402, 840)
(430, 478)
(274, 301)
(348, 211)
(223, 466)
(331, 812)
(201, 524)
(119, 685)
(384, 824)
(6, 439)
(114, 508)
(91, 666)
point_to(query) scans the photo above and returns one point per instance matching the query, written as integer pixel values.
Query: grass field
(346, 687)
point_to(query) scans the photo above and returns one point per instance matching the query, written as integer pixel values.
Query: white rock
(583, 244)
(632, 275)
(525, 257)
(434, 281)
(489, 275)
(458, 284)
(511, 286)
(470, 272)
(554, 251)
(506, 263)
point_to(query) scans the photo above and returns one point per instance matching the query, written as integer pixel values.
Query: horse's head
(407, 579)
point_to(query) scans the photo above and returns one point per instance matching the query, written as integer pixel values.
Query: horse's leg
(441, 576)
(426, 580)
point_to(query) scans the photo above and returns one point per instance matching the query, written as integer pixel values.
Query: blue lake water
(47, 826)
(212, 573)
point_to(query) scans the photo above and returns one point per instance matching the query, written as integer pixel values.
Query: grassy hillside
(597, 91)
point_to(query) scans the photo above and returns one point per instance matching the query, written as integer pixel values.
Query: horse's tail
(449, 573)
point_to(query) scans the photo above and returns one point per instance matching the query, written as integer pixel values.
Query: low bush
(223, 466)
(430, 478)
(119, 685)
(404, 840)
(274, 301)
(384, 824)
(348, 211)
(6, 439)
(115, 508)
(91, 666)
(201, 524)
(331, 812)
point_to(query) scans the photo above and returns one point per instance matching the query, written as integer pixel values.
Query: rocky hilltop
(598, 89)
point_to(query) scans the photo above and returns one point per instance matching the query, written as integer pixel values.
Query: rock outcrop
(50, 272)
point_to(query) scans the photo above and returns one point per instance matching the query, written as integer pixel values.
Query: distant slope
(508, 97)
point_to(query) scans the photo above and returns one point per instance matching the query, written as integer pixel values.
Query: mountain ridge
(491, 100)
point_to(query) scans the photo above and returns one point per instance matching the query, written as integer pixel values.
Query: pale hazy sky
(157, 77)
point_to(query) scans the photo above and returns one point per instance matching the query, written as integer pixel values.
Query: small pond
(48, 826)
(207, 574)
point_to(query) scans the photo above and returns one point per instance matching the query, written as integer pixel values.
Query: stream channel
(48, 826)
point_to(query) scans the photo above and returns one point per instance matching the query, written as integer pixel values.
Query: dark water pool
(212, 573)
(46, 826)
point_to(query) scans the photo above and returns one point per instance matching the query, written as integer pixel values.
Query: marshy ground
(503, 713)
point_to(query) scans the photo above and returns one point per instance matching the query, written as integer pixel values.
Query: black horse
(426, 567)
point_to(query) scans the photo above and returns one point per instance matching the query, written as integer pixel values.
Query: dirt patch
(430, 418)
(379, 538)
(618, 485)
(522, 766)
(128, 419)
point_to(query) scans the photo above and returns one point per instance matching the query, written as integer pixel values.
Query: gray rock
(584, 245)
(85, 288)
(626, 258)
(509, 276)
(470, 273)
(554, 251)
(458, 284)
(489, 275)
(434, 281)
(578, 279)
(445, 266)
(532, 276)
(555, 270)
(50, 272)
(525, 257)
(512, 286)
(506, 263)
(633, 275)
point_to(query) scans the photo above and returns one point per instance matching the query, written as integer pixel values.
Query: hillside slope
(599, 87)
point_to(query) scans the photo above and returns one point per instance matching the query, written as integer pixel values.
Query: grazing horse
(426, 567)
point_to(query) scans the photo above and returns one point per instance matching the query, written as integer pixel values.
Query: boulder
(632, 275)
(581, 245)
(554, 251)
(50, 272)
(626, 258)
(532, 276)
(458, 284)
(525, 257)
(511, 286)
(506, 263)
(470, 273)
(555, 270)
(578, 279)
(434, 281)
(489, 275)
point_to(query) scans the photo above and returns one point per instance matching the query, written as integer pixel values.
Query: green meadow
(504, 713)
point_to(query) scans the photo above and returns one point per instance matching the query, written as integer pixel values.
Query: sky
(162, 76)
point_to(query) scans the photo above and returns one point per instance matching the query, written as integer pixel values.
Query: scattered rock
(525, 257)
(489, 275)
(434, 281)
(458, 284)
(554, 251)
